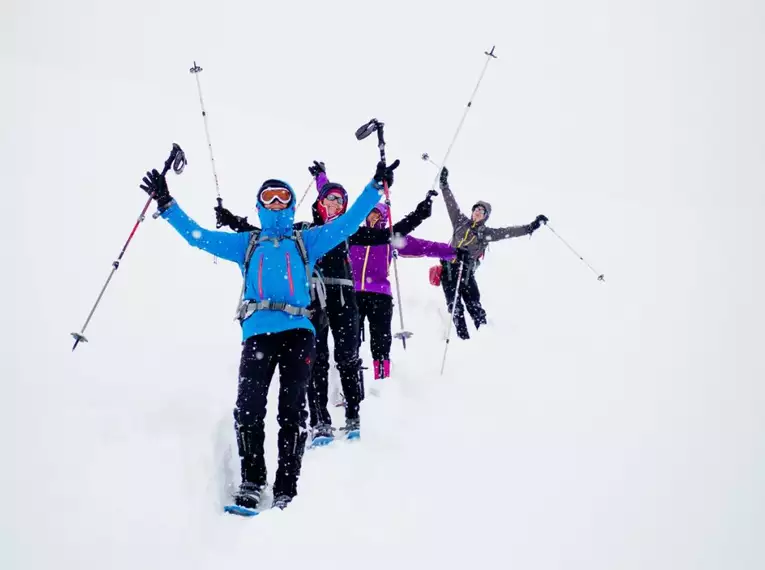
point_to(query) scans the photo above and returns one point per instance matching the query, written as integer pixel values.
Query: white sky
(637, 127)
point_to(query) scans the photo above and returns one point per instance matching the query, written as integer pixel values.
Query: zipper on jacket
(260, 277)
(289, 274)
(364, 270)
(467, 231)
(387, 261)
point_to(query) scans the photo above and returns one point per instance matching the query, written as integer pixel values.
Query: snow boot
(248, 495)
(352, 428)
(382, 369)
(460, 327)
(281, 502)
(322, 434)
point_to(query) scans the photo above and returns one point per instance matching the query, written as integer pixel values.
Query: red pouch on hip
(435, 275)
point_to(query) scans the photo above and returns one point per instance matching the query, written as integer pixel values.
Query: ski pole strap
(248, 308)
(177, 160)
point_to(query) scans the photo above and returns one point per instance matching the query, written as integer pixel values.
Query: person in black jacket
(338, 307)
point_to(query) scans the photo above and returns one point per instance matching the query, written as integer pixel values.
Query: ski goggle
(335, 198)
(271, 195)
(481, 209)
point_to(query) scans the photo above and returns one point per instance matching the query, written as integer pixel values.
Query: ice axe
(363, 132)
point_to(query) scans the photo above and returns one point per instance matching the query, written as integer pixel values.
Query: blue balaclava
(276, 223)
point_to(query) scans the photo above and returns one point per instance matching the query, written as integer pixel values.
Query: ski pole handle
(218, 223)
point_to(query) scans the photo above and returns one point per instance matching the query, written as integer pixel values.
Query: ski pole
(451, 315)
(489, 56)
(601, 276)
(304, 195)
(361, 133)
(195, 71)
(176, 161)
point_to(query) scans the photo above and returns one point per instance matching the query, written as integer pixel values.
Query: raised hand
(155, 185)
(317, 168)
(385, 173)
(444, 177)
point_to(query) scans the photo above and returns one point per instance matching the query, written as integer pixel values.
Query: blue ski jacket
(276, 270)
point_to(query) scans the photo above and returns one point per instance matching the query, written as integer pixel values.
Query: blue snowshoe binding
(323, 434)
(246, 500)
(352, 428)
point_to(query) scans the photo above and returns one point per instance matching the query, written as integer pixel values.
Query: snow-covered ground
(590, 425)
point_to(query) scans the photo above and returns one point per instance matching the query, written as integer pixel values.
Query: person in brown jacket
(471, 236)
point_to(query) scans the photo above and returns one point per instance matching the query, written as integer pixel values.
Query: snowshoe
(352, 428)
(246, 500)
(323, 434)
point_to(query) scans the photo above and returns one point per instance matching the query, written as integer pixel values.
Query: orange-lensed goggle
(271, 195)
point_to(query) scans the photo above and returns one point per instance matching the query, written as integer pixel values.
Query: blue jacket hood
(277, 223)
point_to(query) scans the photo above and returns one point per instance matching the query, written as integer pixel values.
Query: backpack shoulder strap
(297, 236)
(251, 245)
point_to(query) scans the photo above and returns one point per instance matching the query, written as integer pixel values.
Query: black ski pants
(343, 316)
(468, 294)
(293, 351)
(378, 308)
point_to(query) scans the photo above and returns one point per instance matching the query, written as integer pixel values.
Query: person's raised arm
(319, 240)
(225, 245)
(455, 214)
(411, 221)
(496, 234)
(319, 173)
(416, 247)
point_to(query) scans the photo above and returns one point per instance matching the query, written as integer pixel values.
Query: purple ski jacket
(371, 263)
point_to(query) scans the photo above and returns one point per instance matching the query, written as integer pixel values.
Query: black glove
(224, 217)
(155, 185)
(385, 173)
(317, 168)
(425, 208)
(430, 194)
(538, 221)
(239, 224)
(444, 178)
(463, 256)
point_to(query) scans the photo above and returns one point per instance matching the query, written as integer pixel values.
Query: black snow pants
(378, 308)
(468, 294)
(293, 351)
(343, 315)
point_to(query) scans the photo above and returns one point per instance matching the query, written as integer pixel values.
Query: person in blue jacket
(276, 325)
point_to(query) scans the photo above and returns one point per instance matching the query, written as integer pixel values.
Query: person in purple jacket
(371, 264)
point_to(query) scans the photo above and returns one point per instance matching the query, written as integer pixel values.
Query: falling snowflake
(196, 234)
(259, 355)
(369, 279)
